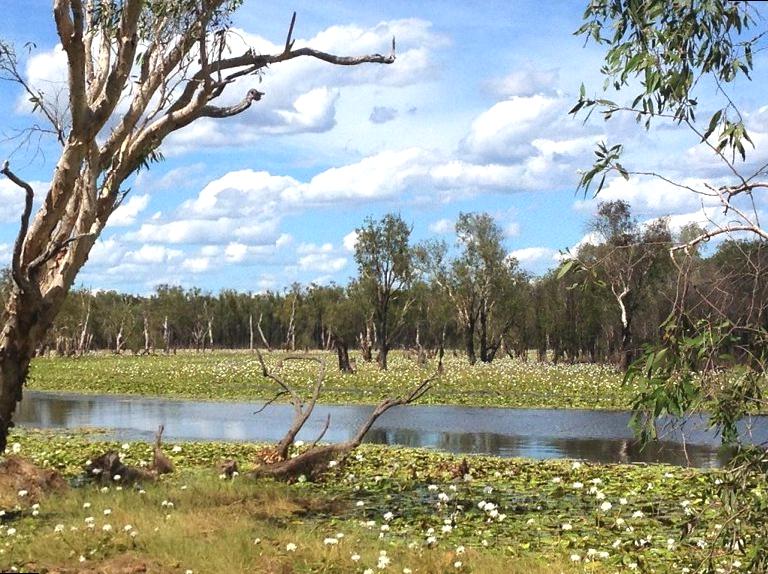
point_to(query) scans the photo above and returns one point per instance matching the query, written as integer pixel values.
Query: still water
(599, 436)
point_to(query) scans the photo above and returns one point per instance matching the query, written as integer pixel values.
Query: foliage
(409, 503)
(710, 355)
(237, 376)
(385, 261)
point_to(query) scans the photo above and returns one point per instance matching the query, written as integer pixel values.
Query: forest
(469, 297)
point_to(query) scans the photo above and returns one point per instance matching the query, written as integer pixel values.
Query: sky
(472, 117)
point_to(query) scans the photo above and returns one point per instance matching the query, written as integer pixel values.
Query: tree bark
(342, 350)
(469, 342)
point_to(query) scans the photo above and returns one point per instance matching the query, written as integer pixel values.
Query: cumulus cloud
(322, 262)
(652, 196)
(529, 255)
(196, 264)
(503, 132)
(153, 254)
(350, 241)
(127, 213)
(301, 95)
(525, 82)
(46, 72)
(5, 253)
(441, 226)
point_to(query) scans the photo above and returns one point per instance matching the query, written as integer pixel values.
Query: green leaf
(712, 125)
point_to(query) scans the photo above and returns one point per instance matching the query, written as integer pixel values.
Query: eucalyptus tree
(475, 280)
(668, 56)
(628, 259)
(384, 259)
(137, 71)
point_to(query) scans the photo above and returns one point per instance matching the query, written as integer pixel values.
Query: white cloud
(312, 248)
(350, 241)
(512, 229)
(235, 252)
(504, 131)
(529, 255)
(12, 199)
(525, 82)
(381, 176)
(652, 196)
(46, 72)
(221, 230)
(322, 262)
(382, 115)
(313, 111)
(441, 226)
(127, 213)
(301, 94)
(153, 254)
(196, 264)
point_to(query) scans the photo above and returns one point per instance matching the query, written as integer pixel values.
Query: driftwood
(301, 410)
(109, 469)
(161, 464)
(228, 468)
(316, 460)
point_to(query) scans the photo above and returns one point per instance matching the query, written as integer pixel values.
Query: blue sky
(471, 117)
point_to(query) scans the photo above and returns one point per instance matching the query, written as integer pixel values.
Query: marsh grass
(227, 375)
(216, 526)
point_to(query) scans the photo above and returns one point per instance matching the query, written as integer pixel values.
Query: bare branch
(19, 275)
(322, 432)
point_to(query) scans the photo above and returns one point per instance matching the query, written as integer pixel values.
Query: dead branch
(316, 460)
(261, 334)
(322, 432)
(302, 411)
(19, 276)
(161, 464)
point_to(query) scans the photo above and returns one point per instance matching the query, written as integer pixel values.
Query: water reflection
(533, 433)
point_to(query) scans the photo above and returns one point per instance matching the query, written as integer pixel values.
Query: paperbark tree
(169, 62)
(385, 261)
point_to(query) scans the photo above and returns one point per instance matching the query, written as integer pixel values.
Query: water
(600, 436)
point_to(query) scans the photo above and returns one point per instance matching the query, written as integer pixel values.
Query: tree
(385, 262)
(476, 280)
(170, 62)
(630, 259)
(670, 54)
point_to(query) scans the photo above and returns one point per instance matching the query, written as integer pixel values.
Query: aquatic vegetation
(384, 509)
(236, 376)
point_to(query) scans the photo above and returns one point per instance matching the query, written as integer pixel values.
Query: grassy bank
(397, 508)
(236, 376)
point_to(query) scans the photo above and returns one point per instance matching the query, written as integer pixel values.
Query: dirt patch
(18, 475)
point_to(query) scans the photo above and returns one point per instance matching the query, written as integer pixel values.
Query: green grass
(237, 376)
(544, 516)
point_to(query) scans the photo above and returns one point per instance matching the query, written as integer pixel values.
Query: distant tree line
(469, 297)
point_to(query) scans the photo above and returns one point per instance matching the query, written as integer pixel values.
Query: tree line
(467, 296)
